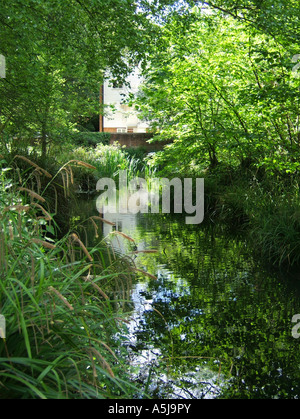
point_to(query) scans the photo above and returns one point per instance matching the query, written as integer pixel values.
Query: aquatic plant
(63, 304)
(108, 160)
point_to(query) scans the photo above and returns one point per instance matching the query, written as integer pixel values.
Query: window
(121, 130)
(117, 85)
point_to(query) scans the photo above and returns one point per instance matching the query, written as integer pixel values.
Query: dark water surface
(215, 323)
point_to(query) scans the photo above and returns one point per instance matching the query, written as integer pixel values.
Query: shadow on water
(215, 323)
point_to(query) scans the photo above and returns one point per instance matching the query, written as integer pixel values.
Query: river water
(214, 323)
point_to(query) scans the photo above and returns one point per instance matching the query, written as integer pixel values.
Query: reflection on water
(215, 323)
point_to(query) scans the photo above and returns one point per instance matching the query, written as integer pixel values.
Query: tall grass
(108, 160)
(266, 207)
(63, 303)
(275, 222)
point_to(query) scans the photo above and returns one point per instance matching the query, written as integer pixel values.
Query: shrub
(91, 139)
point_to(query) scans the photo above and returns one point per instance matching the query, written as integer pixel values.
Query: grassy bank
(265, 208)
(107, 161)
(64, 304)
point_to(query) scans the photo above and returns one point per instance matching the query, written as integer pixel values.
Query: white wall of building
(123, 116)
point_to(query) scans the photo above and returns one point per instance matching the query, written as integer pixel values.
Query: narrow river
(214, 323)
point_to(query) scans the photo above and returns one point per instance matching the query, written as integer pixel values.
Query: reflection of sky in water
(199, 383)
(148, 360)
(217, 301)
(209, 294)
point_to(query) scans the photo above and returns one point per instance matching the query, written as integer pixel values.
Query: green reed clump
(266, 208)
(274, 212)
(63, 304)
(108, 160)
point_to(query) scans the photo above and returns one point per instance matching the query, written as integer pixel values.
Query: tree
(276, 18)
(57, 53)
(222, 91)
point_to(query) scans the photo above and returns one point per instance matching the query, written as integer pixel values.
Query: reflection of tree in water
(214, 311)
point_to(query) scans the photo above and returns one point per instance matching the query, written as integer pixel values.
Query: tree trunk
(212, 157)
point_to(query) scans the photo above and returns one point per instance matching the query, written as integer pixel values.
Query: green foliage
(57, 54)
(59, 300)
(223, 85)
(274, 213)
(91, 139)
(223, 91)
(108, 160)
(278, 18)
(265, 208)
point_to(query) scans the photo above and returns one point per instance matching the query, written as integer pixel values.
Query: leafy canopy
(222, 91)
(57, 53)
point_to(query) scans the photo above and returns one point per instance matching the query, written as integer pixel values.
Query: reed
(145, 273)
(125, 236)
(105, 160)
(264, 208)
(67, 174)
(61, 308)
(47, 216)
(61, 297)
(96, 287)
(94, 217)
(32, 194)
(43, 243)
(76, 239)
(37, 167)
(145, 251)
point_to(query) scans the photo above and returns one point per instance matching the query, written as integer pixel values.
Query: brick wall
(137, 140)
(114, 130)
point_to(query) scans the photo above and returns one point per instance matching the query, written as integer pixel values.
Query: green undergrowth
(107, 160)
(266, 208)
(64, 303)
(262, 208)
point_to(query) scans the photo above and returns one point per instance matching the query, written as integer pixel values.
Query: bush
(91, 139)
